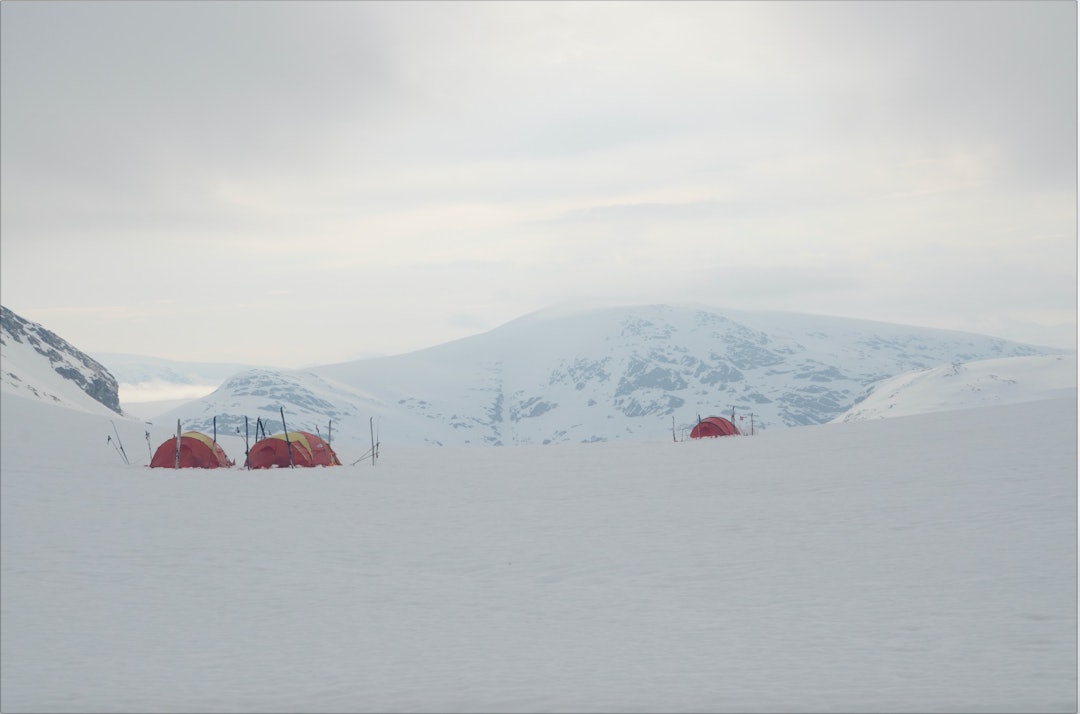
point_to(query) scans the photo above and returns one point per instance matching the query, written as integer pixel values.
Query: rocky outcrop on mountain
(62, 357)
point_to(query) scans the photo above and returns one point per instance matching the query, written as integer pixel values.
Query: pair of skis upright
(119, 445)
(373, 452)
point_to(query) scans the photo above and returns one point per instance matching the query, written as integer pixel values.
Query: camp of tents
(291, 449)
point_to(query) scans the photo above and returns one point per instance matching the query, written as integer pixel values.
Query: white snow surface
(963, 385)
(916, 564)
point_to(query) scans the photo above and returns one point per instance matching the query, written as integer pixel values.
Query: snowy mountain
(961, 385)
(39, 364)
(600, 375)
(310, 403)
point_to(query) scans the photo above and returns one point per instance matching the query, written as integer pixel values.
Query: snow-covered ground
(1009, 380)
(916, 564)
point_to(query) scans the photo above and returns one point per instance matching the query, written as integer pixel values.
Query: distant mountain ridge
(38, 363)
(602, 374)
(994, 382)
(140, 369)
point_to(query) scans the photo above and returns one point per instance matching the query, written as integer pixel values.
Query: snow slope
(913, 564)
(963, 385)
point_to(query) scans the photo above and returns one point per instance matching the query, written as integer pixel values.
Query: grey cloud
(141, 124)
(668, 212)
(955, 73)
(99, 93)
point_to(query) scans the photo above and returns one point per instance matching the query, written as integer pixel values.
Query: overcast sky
(297, 183)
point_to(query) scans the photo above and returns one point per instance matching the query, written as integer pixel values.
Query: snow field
(921, 563)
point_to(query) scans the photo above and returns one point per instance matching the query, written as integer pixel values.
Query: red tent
(307, 450)
(714, 426)
(196, 451)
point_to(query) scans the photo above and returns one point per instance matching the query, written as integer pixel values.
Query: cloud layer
(414, 172)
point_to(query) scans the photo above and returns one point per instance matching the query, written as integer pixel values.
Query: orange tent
(196, 451)
(307, 450)
(714, 426)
